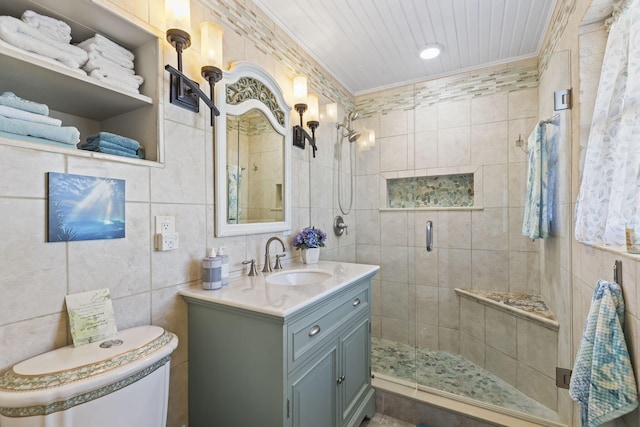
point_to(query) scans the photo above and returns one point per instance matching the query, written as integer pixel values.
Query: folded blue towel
(123, 141)
(11, 100)
(602, 382)
(66, 134)
(115, 151)
(34, 139)
(96, 144)
(118, 152)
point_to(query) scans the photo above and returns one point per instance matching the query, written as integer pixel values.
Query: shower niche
(434, 189)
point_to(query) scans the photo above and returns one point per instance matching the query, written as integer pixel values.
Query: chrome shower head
(353, 136)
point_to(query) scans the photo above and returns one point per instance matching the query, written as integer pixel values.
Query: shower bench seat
(525, 306)
(514, 336)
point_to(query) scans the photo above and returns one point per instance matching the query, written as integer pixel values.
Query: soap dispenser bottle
(224, 270)
(211, 271)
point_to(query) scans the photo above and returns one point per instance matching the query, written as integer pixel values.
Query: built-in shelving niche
(79, 100)
(437, 189)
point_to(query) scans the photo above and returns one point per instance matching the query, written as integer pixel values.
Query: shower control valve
(339, 226)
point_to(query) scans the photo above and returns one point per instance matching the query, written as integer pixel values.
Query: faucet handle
(253, 271)
(278, 266)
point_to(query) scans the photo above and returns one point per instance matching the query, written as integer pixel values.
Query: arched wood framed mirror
(253, 157)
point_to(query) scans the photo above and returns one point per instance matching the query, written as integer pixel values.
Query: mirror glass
(255, 169)
(253, 157)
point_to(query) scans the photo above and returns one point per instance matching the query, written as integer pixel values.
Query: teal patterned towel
(602, 382)
(233, 201)
(535, 224)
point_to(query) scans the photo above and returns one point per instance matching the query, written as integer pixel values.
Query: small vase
(311, 255)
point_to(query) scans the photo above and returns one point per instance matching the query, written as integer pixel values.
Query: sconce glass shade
(211, 44)
(371, 137)
(368, 141)
(178, 14)
(313, 115)
(300, 89)
(331, 112)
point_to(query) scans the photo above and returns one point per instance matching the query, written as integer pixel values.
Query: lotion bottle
(211, 271)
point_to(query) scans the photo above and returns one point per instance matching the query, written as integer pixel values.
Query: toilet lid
(48, 382)
(70, 357)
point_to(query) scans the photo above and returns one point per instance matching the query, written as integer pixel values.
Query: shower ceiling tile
(372, 44)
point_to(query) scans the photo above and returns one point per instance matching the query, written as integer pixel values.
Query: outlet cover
(165, 224)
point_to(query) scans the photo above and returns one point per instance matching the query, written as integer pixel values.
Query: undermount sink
(298, 277)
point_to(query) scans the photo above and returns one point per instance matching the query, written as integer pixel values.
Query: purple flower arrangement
(310, 237)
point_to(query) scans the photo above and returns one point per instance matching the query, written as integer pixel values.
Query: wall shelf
(59, 87)
(83, 101)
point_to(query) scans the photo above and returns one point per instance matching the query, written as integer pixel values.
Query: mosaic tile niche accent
(431, 191)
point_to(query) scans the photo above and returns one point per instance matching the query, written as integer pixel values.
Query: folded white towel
(24, 36)
(54, 28)
(9, 47)
(113, 56)
(127, 80)
(98, 62)
(118, 84)
(14, 113)
(105, 44)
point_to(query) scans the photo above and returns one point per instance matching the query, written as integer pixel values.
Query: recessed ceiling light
(431, 51)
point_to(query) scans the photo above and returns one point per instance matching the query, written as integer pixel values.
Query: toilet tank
(122, 381)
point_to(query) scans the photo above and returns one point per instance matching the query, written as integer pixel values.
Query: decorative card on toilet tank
(91, 316)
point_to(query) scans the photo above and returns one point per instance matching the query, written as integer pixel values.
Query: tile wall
(144, 283)
(414, 298)
(589, 264)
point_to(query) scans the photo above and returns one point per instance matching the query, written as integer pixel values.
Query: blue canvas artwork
(85, 208)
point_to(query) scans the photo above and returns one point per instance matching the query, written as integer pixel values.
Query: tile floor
(380, 420)
(451, 373)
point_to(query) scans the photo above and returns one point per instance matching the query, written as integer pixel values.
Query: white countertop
(255, 294)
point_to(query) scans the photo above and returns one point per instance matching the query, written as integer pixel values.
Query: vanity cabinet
(310, 368)
(78, 99)
(328, 389)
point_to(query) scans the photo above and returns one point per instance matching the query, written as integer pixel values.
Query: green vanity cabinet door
(313, 395)
(355, 348)
(236, 369)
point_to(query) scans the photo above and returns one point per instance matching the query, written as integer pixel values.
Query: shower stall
(485, 317)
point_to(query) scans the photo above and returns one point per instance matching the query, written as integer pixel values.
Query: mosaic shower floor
(451, 373)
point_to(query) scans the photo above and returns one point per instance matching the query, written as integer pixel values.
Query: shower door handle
(429, 236)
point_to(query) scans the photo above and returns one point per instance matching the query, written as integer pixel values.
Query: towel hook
(521, 143)
(617, 272)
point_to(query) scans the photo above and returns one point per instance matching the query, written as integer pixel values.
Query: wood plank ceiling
(373, 44)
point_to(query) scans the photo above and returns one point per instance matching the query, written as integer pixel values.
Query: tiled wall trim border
(448, 89)
(247, 24)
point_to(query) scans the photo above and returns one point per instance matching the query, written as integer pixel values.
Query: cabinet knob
(340, 379)
(356, 302)
(315, 329)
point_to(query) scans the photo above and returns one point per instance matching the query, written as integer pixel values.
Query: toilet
(122, 381)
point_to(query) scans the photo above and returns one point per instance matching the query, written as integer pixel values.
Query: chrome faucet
(267, 259)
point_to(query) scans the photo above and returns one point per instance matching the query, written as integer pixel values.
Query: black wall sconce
(300, 135)
(186, 93)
